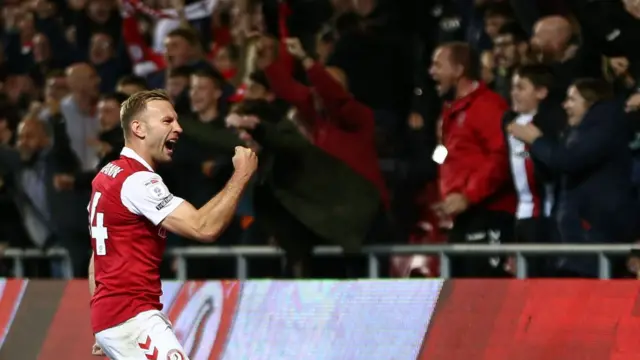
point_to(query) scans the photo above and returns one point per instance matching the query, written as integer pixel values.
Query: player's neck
(142, 154)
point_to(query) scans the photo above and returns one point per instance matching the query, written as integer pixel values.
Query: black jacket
(325, 196)
(597, 202)
(610, 29)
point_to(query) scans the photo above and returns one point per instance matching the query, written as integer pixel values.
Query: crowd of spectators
(376, 121)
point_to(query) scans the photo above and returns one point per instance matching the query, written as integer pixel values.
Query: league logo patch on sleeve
(157, 189)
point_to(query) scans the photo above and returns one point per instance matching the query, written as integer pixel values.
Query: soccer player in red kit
(130, 212)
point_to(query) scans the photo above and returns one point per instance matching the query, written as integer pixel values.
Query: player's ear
(138, 128)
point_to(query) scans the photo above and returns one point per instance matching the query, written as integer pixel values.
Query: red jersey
(128, 202)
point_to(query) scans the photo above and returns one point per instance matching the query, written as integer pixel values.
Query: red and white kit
(128, 202)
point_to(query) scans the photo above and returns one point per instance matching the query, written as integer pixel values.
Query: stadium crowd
(376, 121)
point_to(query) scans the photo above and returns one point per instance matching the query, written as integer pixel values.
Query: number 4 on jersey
(98, 231)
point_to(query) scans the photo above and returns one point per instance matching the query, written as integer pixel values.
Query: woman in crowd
(593, 161)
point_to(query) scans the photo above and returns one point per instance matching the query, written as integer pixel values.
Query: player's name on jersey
(111, 170)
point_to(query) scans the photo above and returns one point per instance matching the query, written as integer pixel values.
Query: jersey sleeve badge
(157, 189)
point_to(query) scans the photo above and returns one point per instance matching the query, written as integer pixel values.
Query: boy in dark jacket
(535, 185)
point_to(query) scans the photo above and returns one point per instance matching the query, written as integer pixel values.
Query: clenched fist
(245, 161)
(294, 47)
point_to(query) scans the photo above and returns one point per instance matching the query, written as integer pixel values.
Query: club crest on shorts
(175, 354)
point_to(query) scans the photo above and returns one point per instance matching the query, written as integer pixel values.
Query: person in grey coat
(50, 217)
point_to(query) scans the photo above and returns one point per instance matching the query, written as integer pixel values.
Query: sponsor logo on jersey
(164, 202)
(521, 154)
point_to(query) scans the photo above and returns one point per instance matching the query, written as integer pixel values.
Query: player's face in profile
(163, 130)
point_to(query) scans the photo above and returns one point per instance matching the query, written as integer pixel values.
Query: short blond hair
(136, 104)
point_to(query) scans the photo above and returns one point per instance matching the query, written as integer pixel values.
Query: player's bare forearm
(207, 223)
(92, 277)
(215, 215)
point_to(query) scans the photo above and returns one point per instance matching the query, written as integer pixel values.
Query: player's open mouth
(170, 145)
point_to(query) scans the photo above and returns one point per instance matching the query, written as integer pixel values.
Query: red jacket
(477, 163)
(347, 131)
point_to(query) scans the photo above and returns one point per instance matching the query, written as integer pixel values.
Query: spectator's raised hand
(265, 51)
(294, 47)
(242, 122)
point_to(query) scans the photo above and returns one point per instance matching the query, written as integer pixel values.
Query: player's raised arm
(207, 223)
(144, 193)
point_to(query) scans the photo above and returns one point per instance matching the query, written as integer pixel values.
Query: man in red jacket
(474, 174)
(336, 121)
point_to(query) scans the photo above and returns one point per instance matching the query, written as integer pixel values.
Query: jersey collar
(128, 152)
